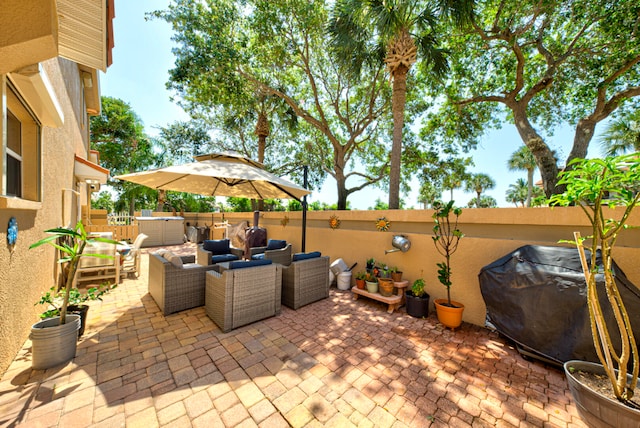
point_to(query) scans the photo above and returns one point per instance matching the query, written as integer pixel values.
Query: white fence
(120, 219)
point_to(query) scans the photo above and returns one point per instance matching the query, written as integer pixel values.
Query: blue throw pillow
(220, 258)
(241, 264)
(217, 246)
(306, 256)
(276, 244)
(258, 256)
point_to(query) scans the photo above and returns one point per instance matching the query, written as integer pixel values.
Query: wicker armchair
(206, 257)
(176, 288)
(305, 281)
(236, 297)
(281, 256)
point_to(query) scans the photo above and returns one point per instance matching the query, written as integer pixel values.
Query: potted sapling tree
(446, 237)
(603, 188)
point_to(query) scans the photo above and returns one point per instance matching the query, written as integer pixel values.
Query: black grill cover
(254, 236)
(536, 296)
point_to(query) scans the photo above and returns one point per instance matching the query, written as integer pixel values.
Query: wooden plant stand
(394, 301)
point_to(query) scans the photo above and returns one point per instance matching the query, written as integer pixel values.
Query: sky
(142, 59)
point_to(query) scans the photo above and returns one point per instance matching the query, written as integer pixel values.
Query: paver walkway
(334, 363)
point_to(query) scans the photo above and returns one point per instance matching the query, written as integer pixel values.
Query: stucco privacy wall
(489, 234)
(25, 273)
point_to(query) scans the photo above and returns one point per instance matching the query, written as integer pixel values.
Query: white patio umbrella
(219, 174)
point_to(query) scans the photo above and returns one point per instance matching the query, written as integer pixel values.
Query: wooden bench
(394, 301)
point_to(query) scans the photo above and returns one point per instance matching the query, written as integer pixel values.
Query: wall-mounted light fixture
(87, 79)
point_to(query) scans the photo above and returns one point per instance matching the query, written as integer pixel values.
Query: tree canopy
(229, 54)
(118, 134)
(396, 33)
(543, 64)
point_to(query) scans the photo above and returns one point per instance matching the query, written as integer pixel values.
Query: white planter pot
(53, 344)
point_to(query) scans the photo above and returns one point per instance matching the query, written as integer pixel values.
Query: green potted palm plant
(446, 237)
(593, 184)
(54, 339)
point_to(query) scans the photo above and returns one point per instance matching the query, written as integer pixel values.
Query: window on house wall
(21, 148)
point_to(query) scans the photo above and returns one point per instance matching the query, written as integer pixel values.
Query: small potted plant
(370, 264)
(371, 282)
(396, 274)
(54, 340)
(417, 300)
(360, 279)
(593, 184)
(446, 238)
(385, 283)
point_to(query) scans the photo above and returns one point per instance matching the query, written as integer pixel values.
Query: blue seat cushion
(258, 256)
(220, 258)
(306, 256)
(241, 264)
(276, 244)
(217, 246)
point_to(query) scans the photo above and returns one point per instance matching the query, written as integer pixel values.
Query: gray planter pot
(53, 344)
(596, 410)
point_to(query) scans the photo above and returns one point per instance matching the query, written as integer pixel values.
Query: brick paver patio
(335, 363)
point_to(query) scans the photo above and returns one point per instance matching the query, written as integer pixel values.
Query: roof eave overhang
(90, 172)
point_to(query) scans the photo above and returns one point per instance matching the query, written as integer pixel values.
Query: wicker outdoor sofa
(305, 281)
(174, 287)
(236, 297)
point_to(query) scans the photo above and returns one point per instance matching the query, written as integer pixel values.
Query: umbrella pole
(304, 210)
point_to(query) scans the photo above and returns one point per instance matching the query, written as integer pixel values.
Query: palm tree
(365, 31)
(479, 183)
(523, 160)
(428, 194)
(518, 192)
(622, 135)
(484, 202)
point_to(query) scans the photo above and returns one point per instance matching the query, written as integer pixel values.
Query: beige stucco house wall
(55, 92)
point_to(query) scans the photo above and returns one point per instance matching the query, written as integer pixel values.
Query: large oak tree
(226, 50)
(542, 64)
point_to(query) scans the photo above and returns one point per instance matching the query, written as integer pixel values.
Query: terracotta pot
(385, 286)
(449, 316)
(360, 284)
(396, 276)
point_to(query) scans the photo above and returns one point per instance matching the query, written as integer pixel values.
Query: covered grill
(537, 297)
(255, 236)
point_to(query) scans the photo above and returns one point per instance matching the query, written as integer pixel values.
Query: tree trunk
(162, 197)
(399, 99)
(262, 131)
(478, 199)
(132, 206)
(529, 186)
(583, 136)
(545, 159)
(341, 180)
